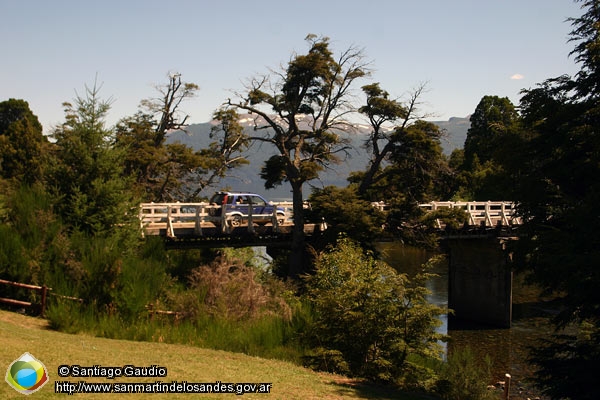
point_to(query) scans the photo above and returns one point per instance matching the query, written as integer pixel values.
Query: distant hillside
(248, 178)
(456, 133)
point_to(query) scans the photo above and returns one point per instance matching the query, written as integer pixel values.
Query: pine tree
(87, 173)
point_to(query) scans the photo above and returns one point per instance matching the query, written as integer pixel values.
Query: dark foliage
(559, 200)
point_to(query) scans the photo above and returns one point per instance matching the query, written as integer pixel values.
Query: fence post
(506, 386)
(488, 217)
(170, 230)
(141, 216)
(274, 219)
(198, 224)
(150, 308)
(250, 218)
(44, 298)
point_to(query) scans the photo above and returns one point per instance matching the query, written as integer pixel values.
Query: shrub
(140, 282)
(368, 318)
(463, 378)
(231, 290)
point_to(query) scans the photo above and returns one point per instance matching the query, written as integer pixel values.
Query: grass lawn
(20, 334)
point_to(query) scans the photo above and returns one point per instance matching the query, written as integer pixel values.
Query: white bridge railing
(156, 217)
(481, 213)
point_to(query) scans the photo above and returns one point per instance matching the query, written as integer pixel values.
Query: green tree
(493, 117)
(418, 168)
(22, 143)
(143, 158)
(558, 199)
(417, 172)
(174, 171)
(298, 113)
(370, 321)
(161, 171)
(406, 164)
(225, 152)
(345, 212)
(381, 111)
(488, 168)
(587, 51)
(87, 173)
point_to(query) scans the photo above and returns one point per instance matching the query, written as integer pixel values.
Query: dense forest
(69, 219)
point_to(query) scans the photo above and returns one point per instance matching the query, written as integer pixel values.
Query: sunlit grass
(19, 334)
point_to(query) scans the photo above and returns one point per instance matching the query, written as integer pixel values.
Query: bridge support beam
(480, 280)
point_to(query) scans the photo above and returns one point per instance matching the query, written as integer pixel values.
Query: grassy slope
(19, 334)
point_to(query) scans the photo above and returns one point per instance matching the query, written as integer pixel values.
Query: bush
(322, 359)
(231, 290)
(463, 378)
(32, 237)
(368, 318)
(70, 317)
(140, 282)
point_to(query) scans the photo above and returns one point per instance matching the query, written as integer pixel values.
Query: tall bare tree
(166, 107)
(159, 168)
(175, 171)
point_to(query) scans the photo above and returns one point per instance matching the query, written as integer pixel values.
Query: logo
(26, 374)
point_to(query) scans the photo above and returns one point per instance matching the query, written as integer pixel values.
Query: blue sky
(462, 49)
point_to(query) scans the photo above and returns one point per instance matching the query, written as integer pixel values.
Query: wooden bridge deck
(203, 224)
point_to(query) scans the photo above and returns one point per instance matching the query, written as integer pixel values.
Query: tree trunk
(297, 255)
(374, 167)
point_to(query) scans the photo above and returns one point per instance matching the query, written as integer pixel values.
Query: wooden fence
(44, 290)
(44, 294)
(152, 312)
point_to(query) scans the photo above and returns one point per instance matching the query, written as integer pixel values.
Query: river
(507, 348)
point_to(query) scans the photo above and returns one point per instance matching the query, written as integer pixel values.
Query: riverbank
(508, 349)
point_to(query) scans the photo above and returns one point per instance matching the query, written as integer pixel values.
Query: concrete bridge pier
(480, 280)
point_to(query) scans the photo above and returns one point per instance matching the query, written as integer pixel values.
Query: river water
(507, 348)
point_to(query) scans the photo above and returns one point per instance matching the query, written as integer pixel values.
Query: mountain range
(247, 178)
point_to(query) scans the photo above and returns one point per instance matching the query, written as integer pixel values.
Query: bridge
(202, 220)
(480, 267)
(210, 225)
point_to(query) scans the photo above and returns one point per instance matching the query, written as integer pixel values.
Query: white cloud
(517, 77)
